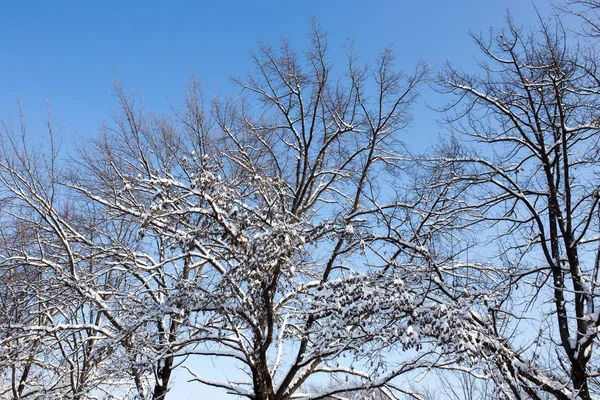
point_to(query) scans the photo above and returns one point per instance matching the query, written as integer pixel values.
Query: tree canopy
(290, 231)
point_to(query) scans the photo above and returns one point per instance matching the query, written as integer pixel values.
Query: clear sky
(68, 53)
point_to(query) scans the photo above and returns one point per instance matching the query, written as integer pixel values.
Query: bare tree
(531, 117)
(262, 231)
(253, 216)
(55, 281)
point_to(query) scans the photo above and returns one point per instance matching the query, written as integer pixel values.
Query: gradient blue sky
(68, 53)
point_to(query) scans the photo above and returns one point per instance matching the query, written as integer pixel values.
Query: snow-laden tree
(526, 143)
(251, 213)
(56, 282)
(286, 232)
(281, 231)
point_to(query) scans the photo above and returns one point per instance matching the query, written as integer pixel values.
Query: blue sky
(69, 53)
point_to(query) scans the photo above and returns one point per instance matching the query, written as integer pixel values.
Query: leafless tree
(260, 230)
(531, 122)
(55, 281)
(255, 207)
